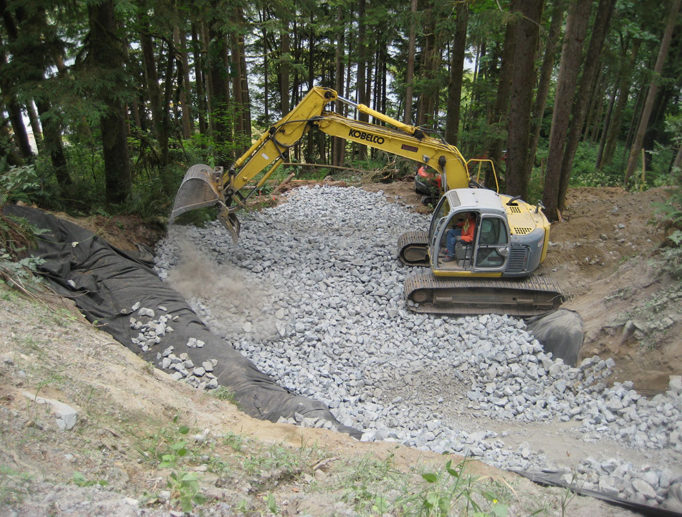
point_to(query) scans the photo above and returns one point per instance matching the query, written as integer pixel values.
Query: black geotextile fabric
(560, 332)
(105, 283)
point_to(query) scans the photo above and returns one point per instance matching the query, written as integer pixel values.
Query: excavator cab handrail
(479, 168)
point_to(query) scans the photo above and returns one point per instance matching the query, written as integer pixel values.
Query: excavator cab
(469, 234)
(490, 273)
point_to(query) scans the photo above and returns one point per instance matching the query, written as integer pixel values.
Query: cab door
(492, 244)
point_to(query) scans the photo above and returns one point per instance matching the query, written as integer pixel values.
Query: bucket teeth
(230, 221)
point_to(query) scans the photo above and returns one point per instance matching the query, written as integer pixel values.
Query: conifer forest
(106, 103)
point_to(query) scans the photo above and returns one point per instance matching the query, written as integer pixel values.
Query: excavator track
(524, 297)
(413, 248)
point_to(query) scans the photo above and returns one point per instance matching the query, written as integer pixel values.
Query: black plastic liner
(560, 332)
(106, 283)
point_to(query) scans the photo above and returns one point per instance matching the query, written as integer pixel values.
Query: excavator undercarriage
(467, 296)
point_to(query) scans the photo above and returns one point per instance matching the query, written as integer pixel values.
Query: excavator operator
(463, 231)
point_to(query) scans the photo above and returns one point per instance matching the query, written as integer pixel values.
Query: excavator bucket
(201, 188)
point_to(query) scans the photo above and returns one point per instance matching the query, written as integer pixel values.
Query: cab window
(441, 211)
(491, 241)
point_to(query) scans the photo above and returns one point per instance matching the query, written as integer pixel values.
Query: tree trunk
(284, 66)
(677, 162)
(339, 144)
(456, 73)
(526, 34)
(245, 96)
(179, 39)
(165, 117)
(262, 13)
(221, 128)
(199, 80)
(653, 90)
(625, 78)
(593, 117)
(19, 129)
(106, 55)
(12, 155)
(154, 91)
(35, 124)
(13, 110)
(30, 46)
(571, 52)
(545, 78)
(409, 78)
(501, 109)
(590, 70)
(361, 91)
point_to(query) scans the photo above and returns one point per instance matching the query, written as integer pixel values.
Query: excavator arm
(204, 186)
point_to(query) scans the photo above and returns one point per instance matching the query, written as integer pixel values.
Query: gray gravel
(320, 309)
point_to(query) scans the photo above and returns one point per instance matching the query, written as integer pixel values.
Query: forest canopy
(105, 103)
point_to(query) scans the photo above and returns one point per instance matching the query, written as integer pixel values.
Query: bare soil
(130, 415)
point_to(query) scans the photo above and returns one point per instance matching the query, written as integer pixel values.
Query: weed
(452, 492)
(223, 393)
(169, 449)
(243, 506)
(19, 184)
(234, 441)
(271, 504)
(567, 496)
(277, 457)
(80, 480)
(184, 488)
(364, 483)
(13, 486)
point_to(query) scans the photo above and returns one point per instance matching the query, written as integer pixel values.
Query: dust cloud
(227, 299)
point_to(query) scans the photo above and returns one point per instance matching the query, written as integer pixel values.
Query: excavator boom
(205, 186)
(480, 288)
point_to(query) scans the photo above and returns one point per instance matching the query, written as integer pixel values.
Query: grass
(377, 487)
(13, 486)
(223, 393)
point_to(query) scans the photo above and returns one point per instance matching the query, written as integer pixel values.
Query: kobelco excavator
(484, 271)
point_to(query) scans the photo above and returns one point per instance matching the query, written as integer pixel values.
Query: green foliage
(169, 449)
(447, 492)
(278, 457)
(586, 174)
(185, 490)
(13, 486)
(79, 479)
(446, 489)
(363, 484)
(19, 273)
(19, 184)
(271, 504)
(223, 393)
(670, 210)
(16, 234)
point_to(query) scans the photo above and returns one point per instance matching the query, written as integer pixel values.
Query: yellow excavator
(483, 269)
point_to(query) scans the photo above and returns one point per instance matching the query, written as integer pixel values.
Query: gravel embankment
(312, 293)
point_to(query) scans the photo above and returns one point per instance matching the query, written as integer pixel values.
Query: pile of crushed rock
(322, 312)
